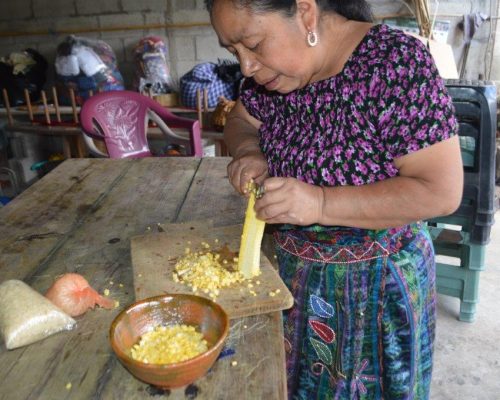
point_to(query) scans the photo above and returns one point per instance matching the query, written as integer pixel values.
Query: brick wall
(190, 38)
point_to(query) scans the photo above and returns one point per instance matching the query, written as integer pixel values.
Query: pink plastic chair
(120, 119)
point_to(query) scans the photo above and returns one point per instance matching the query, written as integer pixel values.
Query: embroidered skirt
(362, 326)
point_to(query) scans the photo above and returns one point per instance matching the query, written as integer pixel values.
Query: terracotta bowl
(142, 316)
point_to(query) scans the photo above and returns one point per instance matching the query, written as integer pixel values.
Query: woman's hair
(358, 10)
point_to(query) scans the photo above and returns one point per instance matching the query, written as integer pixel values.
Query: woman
(350, 131)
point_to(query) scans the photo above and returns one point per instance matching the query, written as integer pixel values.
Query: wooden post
(45, 107)
(7, 107)
(198, 108)
(28, 104)
(205, 108)
(73, 105)
(56, 103)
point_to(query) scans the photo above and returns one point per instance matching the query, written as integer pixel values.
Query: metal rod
(46, 32)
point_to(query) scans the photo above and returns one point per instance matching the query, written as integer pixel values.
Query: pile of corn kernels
(169, 344)
(205, 271)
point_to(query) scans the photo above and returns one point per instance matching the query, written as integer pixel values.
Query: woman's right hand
(247, 166)
(242, 140)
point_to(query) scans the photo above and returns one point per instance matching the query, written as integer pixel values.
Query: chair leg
(470, 296)
(473, 265)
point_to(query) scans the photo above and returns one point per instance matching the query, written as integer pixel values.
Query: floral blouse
(388, 101)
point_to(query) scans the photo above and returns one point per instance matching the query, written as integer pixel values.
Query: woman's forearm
(393, 202)
(241, 132)
(240, 137)
(429, 184)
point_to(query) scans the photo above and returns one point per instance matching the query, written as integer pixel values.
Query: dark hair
(358, 10)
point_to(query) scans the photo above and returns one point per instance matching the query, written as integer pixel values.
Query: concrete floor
(467, 356)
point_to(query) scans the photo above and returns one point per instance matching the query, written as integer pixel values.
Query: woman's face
(270, 47)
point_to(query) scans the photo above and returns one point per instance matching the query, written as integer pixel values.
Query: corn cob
(251, 239)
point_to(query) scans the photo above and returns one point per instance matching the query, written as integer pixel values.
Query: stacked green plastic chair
(460, 239)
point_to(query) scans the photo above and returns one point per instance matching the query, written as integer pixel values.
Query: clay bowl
(208, 317)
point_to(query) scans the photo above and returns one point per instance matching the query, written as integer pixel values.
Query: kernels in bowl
(169, 344)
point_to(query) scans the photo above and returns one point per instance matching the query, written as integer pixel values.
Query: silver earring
(312, 38)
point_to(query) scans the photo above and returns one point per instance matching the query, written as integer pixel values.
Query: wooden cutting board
(154, 256)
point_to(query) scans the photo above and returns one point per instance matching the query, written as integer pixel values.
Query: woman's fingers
(288, 200)
(242, 171)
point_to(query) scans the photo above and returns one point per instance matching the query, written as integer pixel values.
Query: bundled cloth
(152, 72)
(220, 79)
(22, 70)
(86, 65)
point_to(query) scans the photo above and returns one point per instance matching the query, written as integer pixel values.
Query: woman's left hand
(290, 201)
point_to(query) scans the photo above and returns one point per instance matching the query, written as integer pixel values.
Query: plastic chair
(120, 119)
(460, 239)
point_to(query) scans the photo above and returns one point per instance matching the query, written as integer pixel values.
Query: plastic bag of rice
(26, 316)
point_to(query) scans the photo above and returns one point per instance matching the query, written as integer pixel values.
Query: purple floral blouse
(388, 101)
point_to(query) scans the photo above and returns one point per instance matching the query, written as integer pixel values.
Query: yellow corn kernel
(205, 271)
(106, 292)
(253, 231)
(169, 344)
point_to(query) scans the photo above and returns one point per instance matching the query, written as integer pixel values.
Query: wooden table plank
(212, 196)
(43, 215)
(148, 191)
(257, 375)
(113, 201)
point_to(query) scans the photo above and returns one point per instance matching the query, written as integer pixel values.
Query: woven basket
(167, 100)
(219, 115)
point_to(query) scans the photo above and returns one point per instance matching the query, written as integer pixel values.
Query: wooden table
(80, 217)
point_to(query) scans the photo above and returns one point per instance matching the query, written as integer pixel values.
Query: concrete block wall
(197, 42)
(184, 24)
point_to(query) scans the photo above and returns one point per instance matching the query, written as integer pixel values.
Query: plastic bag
(26, 316)
(152, 72)
(85, 65)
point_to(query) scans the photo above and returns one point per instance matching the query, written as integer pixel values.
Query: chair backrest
(120, 119)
